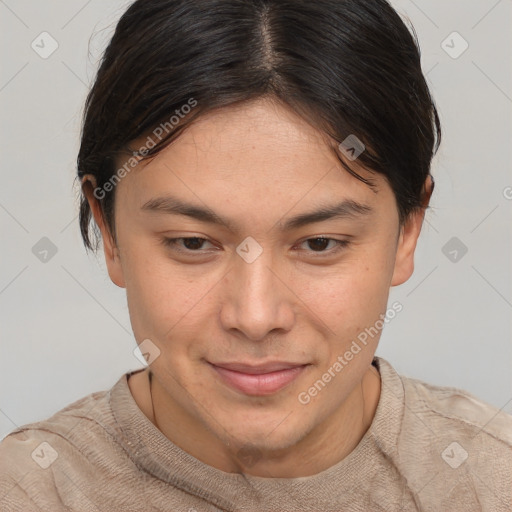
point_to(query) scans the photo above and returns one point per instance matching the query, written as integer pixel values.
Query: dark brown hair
(350, 67)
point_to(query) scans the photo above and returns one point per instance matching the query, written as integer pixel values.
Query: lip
(258, 380)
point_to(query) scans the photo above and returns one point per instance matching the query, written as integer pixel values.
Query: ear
(409, 233)
(112, 255)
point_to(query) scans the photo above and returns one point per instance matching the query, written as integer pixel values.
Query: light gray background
(65, 330)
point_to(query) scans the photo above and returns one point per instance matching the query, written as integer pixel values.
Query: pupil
(323, 243)
(189, 243)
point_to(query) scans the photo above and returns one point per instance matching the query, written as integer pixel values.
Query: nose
(257, 298)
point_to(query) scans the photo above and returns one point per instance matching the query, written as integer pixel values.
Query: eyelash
(172, 244)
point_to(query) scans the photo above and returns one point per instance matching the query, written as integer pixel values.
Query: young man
(259, 173)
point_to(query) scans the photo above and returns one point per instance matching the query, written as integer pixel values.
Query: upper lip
(257, 369)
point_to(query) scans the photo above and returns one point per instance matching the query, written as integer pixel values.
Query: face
(249, 299)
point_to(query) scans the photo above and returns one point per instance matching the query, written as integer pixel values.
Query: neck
(330, 441)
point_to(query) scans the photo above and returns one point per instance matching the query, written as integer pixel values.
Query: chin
(273, 434)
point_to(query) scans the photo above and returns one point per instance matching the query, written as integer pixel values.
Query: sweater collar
(155, 454)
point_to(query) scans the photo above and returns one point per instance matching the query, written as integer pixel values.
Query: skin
(257, 165)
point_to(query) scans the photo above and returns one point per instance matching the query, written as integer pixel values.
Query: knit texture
(428, 449)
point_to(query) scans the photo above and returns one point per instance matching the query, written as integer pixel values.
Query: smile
(258, 380)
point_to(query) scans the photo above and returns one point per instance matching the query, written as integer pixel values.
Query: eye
(190, 244)
(195, 244)
(319, 245)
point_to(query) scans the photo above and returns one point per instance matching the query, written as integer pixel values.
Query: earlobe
(111, 251)
(404, 259)
(113, 261)
(408, 238)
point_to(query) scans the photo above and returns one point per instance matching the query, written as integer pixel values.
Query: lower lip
(261, 384)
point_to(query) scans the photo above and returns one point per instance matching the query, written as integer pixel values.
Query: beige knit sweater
(429, 448)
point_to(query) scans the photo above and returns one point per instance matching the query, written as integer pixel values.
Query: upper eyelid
(339, 242)
(315, 237)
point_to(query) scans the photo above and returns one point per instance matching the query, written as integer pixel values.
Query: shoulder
(453, 448)
(458, 411)
(32, 456)
(78, 416)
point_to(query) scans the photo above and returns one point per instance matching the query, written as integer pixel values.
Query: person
(258, 172)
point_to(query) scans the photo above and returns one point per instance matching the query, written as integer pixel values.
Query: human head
(272, 88)
(350, 67)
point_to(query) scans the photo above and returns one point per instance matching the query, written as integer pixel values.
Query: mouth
(258, 380)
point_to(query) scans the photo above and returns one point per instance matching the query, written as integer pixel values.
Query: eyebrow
(169, 205)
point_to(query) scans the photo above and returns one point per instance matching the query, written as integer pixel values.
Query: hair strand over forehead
(348, 67)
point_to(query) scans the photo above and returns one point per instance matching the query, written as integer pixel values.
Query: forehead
(255, 155)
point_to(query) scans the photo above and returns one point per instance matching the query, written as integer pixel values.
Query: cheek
(164, 299)
(154, 295)
(348, 301)
(348, 292)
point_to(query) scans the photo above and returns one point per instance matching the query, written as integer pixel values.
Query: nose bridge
(253, 265)
(256, 278)
(258, 302)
